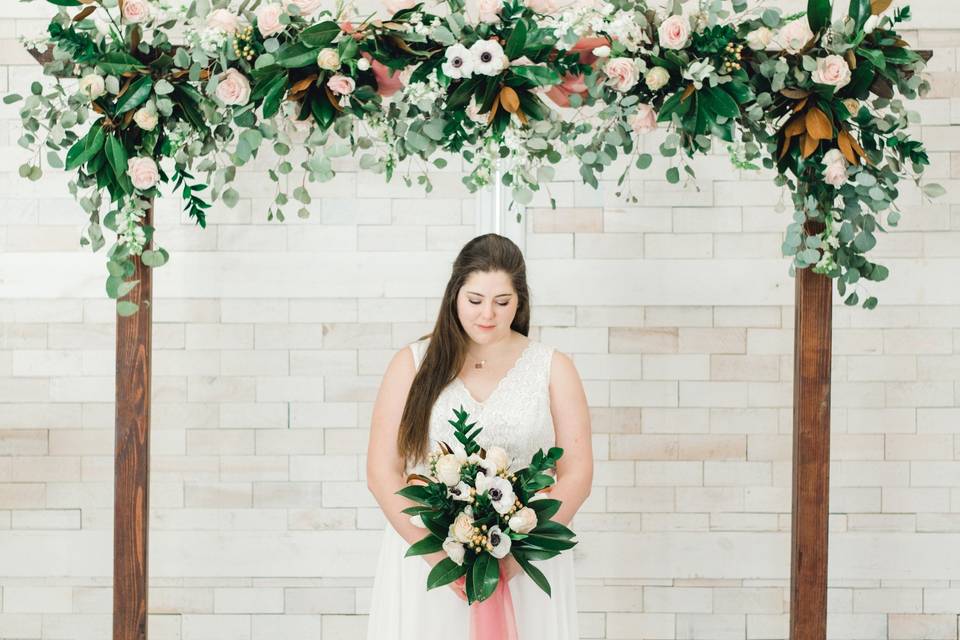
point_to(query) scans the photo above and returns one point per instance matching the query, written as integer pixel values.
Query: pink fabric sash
(493, 618)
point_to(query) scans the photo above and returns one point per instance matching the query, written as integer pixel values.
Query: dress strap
(418, 348)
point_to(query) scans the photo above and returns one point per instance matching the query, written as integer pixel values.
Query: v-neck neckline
(496, 389)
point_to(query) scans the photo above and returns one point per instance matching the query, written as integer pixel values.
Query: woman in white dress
(524, 394)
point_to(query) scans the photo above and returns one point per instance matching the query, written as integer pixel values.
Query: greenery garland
(519, 84)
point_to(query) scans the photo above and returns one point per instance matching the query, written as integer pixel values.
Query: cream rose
(674, 32)
(393, 6)
(523, 521)
(328, 59)
(136, 11)
(341, 84)
(223, 20)
(835, 168)
(644, 119)
(143, 172)
(794, 36)
(656, 78)
(363, 64)
(487, 11)
(832, 70)
(462, 528)
(92, 86)
(454, 550)
(499, 457)
(760, 38)
(268, 19)
(448, 469)
(146, 118)
(233, 88)
(622, 73)
(852, 105)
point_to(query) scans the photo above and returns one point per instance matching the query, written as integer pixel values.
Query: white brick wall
(270, 341)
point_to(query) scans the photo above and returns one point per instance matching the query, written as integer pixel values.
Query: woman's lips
(486, 328)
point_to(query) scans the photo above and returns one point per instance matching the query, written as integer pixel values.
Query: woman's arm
(384, 466)
(571, 424)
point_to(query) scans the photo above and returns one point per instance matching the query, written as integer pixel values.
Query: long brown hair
(448, 344)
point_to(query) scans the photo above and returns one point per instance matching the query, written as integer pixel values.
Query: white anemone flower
(459, 62)
(488, 57)
(499, 541)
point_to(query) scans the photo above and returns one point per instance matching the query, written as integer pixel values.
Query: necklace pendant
(480, 364)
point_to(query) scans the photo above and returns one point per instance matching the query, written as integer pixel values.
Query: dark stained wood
(131, 506)
(811, 456)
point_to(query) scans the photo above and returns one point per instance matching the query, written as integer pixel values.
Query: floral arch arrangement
(814, 96)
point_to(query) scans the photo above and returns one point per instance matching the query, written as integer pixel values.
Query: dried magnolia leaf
(882, 87)
(879, 6)
(808, 144)
(493, 109)
(687, 93)
(332, 98)
(784, 147)
(509, 99)
(818, 125)
(84, 13)
(135, 36)
(843, 141)
(794, 127)
(800, 105)
(416, 476)
(851, 59)
(445, 448)
(304, 84)
(795, 94)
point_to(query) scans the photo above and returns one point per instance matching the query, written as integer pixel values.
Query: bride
(526, 396)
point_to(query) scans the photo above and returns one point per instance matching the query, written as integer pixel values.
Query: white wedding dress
(516, 416)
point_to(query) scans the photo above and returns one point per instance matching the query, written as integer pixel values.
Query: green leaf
(720, 102)
(11, 98)
(136, 95)
(818, 14)
(445, 572)
(85, 148)
(485, 575)
(320, 34)
(859, 12)
(517, 40)
(274, 95)
(117, 157)
(538, 76)
(230, 197)
(119, 62)
(296, 54)
(154, 259)
(65, 3)
(521, 556)
(673, 175)
(644, 160)
(933, 190)
(430, 544)
(126, 308)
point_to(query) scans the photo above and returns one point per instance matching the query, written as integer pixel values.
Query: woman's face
(486, 306)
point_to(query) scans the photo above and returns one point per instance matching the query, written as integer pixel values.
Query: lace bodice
(516, 415)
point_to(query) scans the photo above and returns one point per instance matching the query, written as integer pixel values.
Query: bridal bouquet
(478, 509)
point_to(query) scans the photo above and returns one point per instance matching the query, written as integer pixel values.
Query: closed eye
(502, 304)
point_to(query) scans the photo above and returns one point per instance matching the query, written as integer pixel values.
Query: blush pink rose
(233, 88)
(136, 11)
(793, 37)
(487, 11)
(306, 7)
(546, 7)
(835, 168)
(832, 70)
(143, 172)
(341, 84)
(644, 119)
(268, 19)
(224, 21)
(674, 32)
(622, 73)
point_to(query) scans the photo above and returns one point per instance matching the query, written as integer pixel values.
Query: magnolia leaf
(818, 125)
(818, 14)
(509, 99)
(879, 6)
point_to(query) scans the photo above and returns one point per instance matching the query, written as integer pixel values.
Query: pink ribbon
(493, 618)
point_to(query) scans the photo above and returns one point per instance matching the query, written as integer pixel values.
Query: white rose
(143, 172)
(306, 7)
(622, 73)
(328, 59)
(852, 105)
(458, 62)
(92, 86)
(674, 32)
(462, 528)
(448, 469)
(832, 70)
(499, 457)
(794, 36)
(487, 11)
(759, 39)
(644, 119)
(454, 549)
(363, 64)
(224, 21)
(602, 51)
(268, 19)
(835, 168)
(499, 541)
(523, 521)
(545, 7)
(145, 118)
(488, 57)
(393, 6)
(135, 11)
(656, 78)
(233, 88)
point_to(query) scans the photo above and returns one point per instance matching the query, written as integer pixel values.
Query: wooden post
(131, 503)
(811, 455)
